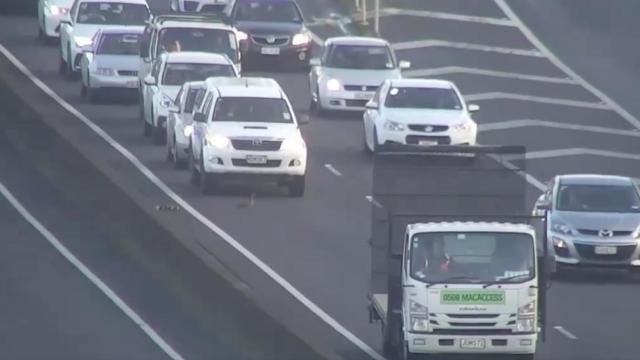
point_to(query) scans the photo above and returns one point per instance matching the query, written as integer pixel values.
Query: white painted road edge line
(562, 66)
(390, 11)
(485, 72)
(565, 332)
(277, 278)
(522, 123)
(577, 151)
(152, 334)
(419, 44)
(540, 99)
(333, 170)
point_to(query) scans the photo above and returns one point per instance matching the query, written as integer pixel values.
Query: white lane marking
(390, 11)
(565, 332)
(333, 170)
(475, 71)
(419, 44)
(373, 201)
(540, 99)
(515, 124)
(528, 177)
(316, 39)
(277, 278)
(578, 151)
(95, 280)
(562, 66)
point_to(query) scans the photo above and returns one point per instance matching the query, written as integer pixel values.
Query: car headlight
(104, 71)
(293, 143)
(58, 10)
(300, 39)
(166, 101)
(188, 130)
(242, 36)
(333, 85)
(82, 41)
(393, 126)
(465, 126)
(562, 229)
(217, 141)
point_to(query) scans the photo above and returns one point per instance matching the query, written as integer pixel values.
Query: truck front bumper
(454, 344)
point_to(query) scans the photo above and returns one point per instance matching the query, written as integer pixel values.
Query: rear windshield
(178, 74)
(272, 11)
(423, 98)
(112, 13)
(119, 44)
(246, 109)
(214, 41)
(360, 57)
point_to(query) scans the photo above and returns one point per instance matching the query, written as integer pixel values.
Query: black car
(271, 29)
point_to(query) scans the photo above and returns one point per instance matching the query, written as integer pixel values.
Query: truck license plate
(363, 95)
(270, 51)
(472, 343)
(605, 250)
(256, 159)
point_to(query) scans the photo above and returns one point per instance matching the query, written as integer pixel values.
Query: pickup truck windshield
(216, 41)
(112, 13)
(177, 74)
(270, 11)
(472, 257)
(246, 109)
(360, 57)
(119, 44)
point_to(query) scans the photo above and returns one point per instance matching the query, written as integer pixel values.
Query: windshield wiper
(444, 281)
(491, 283)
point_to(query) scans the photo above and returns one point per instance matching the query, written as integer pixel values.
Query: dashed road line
(332, 169)
(484, 72)
(565, 332)
(539, 99)
(578, 151)
(373, 201)
(562, 66)
(419, 44)
(515, 124)
(390, 11)
(84, 270)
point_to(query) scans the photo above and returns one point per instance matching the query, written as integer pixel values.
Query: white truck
(459, 266)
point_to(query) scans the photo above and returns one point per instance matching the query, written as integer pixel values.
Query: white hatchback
(418, 112)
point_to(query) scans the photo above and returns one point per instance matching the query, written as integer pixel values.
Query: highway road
(527, 96)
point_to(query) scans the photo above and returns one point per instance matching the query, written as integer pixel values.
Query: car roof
(196, 57)
(121, 30)
(472, 226)
(357, 41)
(422, 83)
(194, 25)
(246, 87)
(136, 2)
(594, 179)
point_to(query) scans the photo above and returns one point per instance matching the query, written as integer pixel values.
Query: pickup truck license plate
(270, 51)
(427, 142)
(363, 95)
(256, 159)
(472, 343)
(605, 250)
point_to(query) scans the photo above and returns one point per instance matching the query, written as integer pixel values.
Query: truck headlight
(526, 325)
(333, 85)
(104, 71)
(393, 126)
(526, 317)
(82, 41)
(300, 39)
(188, 130)
(242, 36)
(217, 141)
(419, 323)
(293, 143)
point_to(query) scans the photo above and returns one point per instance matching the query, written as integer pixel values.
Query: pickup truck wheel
(69, 62)
(376, 145)
(208, 182)
(179, 162)
(62, 68)
(296, 186)
(195, 174)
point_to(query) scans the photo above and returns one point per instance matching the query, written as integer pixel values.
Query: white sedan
(180, 122)
(350, 71)
(418, 112)
(111, 63)
(211, 6)
(50, 12)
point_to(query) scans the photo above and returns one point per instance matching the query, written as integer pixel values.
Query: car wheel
(146, 128)
(297, 186)
(69, 62)
(376, 144)
(179, 162)
(169, 157)
(316, 105)
(365, 146)
(83, 90)
(62, 68)
(195, 174)
(208, 182)
(158, 134)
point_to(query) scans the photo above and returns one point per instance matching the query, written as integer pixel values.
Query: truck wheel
(296, 187)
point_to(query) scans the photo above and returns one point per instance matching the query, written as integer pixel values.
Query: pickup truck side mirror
(199, 117)
(144, 49)
(473, 108)
(174, 109)
(371, 105)
(404, 65)
(315, 62)
(149, 80)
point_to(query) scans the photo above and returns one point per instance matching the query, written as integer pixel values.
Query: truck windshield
(214, 41)
(472, 257)
(247, 109)
(112, 13)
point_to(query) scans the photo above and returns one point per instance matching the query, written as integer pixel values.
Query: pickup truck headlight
(393, 126)
(293, 143)
(217, 141)
(242, 36)
(104, 71)
(333, 85)
(82, 41)
(300, 39)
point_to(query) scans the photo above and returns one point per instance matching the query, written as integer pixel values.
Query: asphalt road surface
(319, 243)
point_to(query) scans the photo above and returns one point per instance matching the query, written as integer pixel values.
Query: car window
(119, 44)
(216, 41)
(271, 11)
(360, 57)
(598, 198)
(178, 73)
(247, 109)
(423, 98)
(190, 101)
(112, 13)
(207, 105)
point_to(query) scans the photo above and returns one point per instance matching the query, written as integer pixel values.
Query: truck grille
(256, 144)
(597, 232)
(473, 316)
(415, 139)
(268, 164)
(429, 128)
(472, 331)
(588, 252)
(356, 103)
(361, 87)
(264, 40)
(191, 6)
